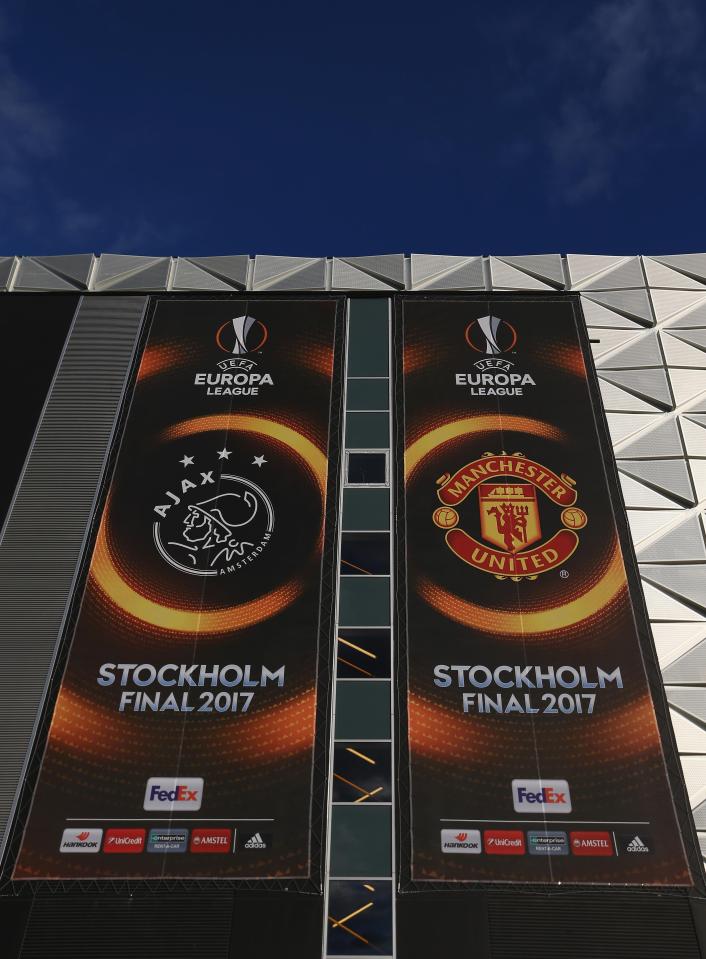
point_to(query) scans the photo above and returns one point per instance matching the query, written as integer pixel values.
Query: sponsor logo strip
(504, 842)
(81, 840)
(461, 841)
(168, 794)
(124, 840)
(211, 840)
(541, 795)
(591, 843)
(547, 843)
(168, 840)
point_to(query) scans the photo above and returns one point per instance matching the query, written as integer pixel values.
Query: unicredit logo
(541, 795)
(504, 842)
(172, 794)
(124, 841)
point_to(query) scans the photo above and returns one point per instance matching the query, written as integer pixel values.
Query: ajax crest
(511, 542)
(213, 525)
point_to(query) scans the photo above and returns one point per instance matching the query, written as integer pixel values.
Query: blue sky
(467, 128)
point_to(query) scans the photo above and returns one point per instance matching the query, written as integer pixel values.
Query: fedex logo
(541, 795)
(170, 794)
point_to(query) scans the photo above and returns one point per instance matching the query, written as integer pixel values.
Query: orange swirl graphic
(161, 359)
(471, 426)
(209, 620)
(175, 619)
(510, 625)
(93, 732)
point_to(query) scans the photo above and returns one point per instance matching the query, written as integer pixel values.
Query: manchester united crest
(510, 542)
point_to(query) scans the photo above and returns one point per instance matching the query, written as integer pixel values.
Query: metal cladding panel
(46, 527)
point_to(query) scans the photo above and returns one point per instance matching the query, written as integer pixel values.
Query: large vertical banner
(184, 737)
(533, 745)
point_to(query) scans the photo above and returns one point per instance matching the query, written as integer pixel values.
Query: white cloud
(626, 72)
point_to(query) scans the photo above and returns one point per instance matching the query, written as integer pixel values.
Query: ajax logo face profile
(207, 535)
(541, 795)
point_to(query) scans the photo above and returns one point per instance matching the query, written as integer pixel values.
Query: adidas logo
(256, 842)
(636, 845)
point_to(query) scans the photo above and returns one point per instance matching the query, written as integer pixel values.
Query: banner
(529, 725)
(184, 734)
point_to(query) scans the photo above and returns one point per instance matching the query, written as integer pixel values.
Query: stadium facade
(354, 606)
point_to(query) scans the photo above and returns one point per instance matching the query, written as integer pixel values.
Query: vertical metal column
(45, 532)
(360, 858)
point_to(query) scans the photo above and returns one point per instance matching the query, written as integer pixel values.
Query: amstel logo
(509, 521)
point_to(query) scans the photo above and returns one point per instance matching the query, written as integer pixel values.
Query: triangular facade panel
(348, 277)
(670, 478)
(641, 351)
(437, 272)
(662, 440)
(232, 269)
(659, 275)
(600, 317)
(31, 275)
(681, 543)
(388, 267)
(650, 385)
(75, 267)
(634, 304)
(546, 267)
(189, 276)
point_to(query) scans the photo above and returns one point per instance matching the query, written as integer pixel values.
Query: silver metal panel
(75, 267)
(507, 277)
(598, 272)
(662, 440)
(659, 275)
(633, 304)
(640, 351)
(32, 276)
(669, 477)
(430, 271)
(39, 556)
(289, 273)
(388, 267)
(188, 276)
(140, 273)
(544, 266)
(7, 266)
(686, 583)
(683, 308)
(344, 276)
(692, 265)
(232, 269)
(650, 385)
(597, 315)
(681, 543)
